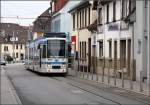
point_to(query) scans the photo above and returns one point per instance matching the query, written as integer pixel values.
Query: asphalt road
(33, 88)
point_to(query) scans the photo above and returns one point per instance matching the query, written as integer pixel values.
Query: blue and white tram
(48, 54)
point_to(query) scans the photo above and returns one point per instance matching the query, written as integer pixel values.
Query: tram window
(39, 46)
(44, 51)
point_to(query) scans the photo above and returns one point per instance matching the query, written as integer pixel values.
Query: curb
(12, 89)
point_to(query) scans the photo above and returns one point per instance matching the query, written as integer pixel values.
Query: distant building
(42, 24)
(12, 40)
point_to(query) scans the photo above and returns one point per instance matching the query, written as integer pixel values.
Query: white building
(114, 37)
(12, 41)
(142, 40)
(61, 19)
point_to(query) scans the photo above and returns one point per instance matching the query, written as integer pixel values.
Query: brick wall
(59, 4)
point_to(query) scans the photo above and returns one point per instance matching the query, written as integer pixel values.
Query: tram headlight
(49, 66)
(63, 66)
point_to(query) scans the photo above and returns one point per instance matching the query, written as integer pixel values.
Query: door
(89, 54)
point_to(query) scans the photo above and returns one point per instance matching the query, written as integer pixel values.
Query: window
(89, 15)
(85, 16)
(110, 49)
(124, 8)
(107, 13)
(132, 5)
(16, 46)
(114, 11)
(100, 16)
(21, 46)
(80, 49)
(77, 20)
(100, 48)
(80, 20)
(44, 51)
(83, 49)
(73, 21)
(5, 48)
(16, 55)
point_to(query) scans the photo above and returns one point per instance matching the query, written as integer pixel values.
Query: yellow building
(83, 16)
(13, 38)
(16, 51)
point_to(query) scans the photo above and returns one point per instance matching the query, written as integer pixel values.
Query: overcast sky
(22, 9)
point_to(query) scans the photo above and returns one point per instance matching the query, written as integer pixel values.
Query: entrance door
(89, 54)
(123, 53)
(129, 56)
(115, 55)
(21, 56)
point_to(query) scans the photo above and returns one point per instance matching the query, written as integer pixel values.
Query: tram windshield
(55, 48)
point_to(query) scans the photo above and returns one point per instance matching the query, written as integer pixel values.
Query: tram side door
(40, 54)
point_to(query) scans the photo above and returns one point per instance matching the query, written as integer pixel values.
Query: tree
(9, 58)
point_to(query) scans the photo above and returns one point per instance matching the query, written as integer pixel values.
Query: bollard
(92, 73)
(122, 78)
(109, 73)
(87, 71)
(83, 71)
(131, 75)
(141, 86)
(103, 75)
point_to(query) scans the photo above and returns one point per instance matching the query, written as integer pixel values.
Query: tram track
(93, 89)
(126, 93)
(74, 84)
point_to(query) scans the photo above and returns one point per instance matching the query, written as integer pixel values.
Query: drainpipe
(149, 45)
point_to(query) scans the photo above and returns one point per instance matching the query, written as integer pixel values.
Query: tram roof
(55, 34)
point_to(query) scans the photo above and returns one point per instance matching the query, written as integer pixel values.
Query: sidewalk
(8, 93)
(127, 83)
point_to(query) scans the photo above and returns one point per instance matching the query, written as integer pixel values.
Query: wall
(112, 34)
(59, 4)
(10, 51)
(61, 21)
(140, 62)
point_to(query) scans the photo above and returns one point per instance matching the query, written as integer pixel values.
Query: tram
(48, 54)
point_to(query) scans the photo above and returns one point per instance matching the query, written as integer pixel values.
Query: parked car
(3, 63)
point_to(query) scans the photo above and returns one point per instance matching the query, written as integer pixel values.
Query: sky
(22, 9)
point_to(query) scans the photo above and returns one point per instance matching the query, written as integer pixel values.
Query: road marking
(77, 91)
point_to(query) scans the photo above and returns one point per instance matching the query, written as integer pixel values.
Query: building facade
(12, 41)
(114, 38)
(83, 16)
(42, 24)
(142, 40)
(61, 19)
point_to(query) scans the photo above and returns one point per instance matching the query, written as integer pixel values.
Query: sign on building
(14, 39)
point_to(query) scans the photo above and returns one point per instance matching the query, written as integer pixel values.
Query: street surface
(33, 88)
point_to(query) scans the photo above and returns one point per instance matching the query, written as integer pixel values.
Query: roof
(7, 30)
(80, 6)
(42, 22)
